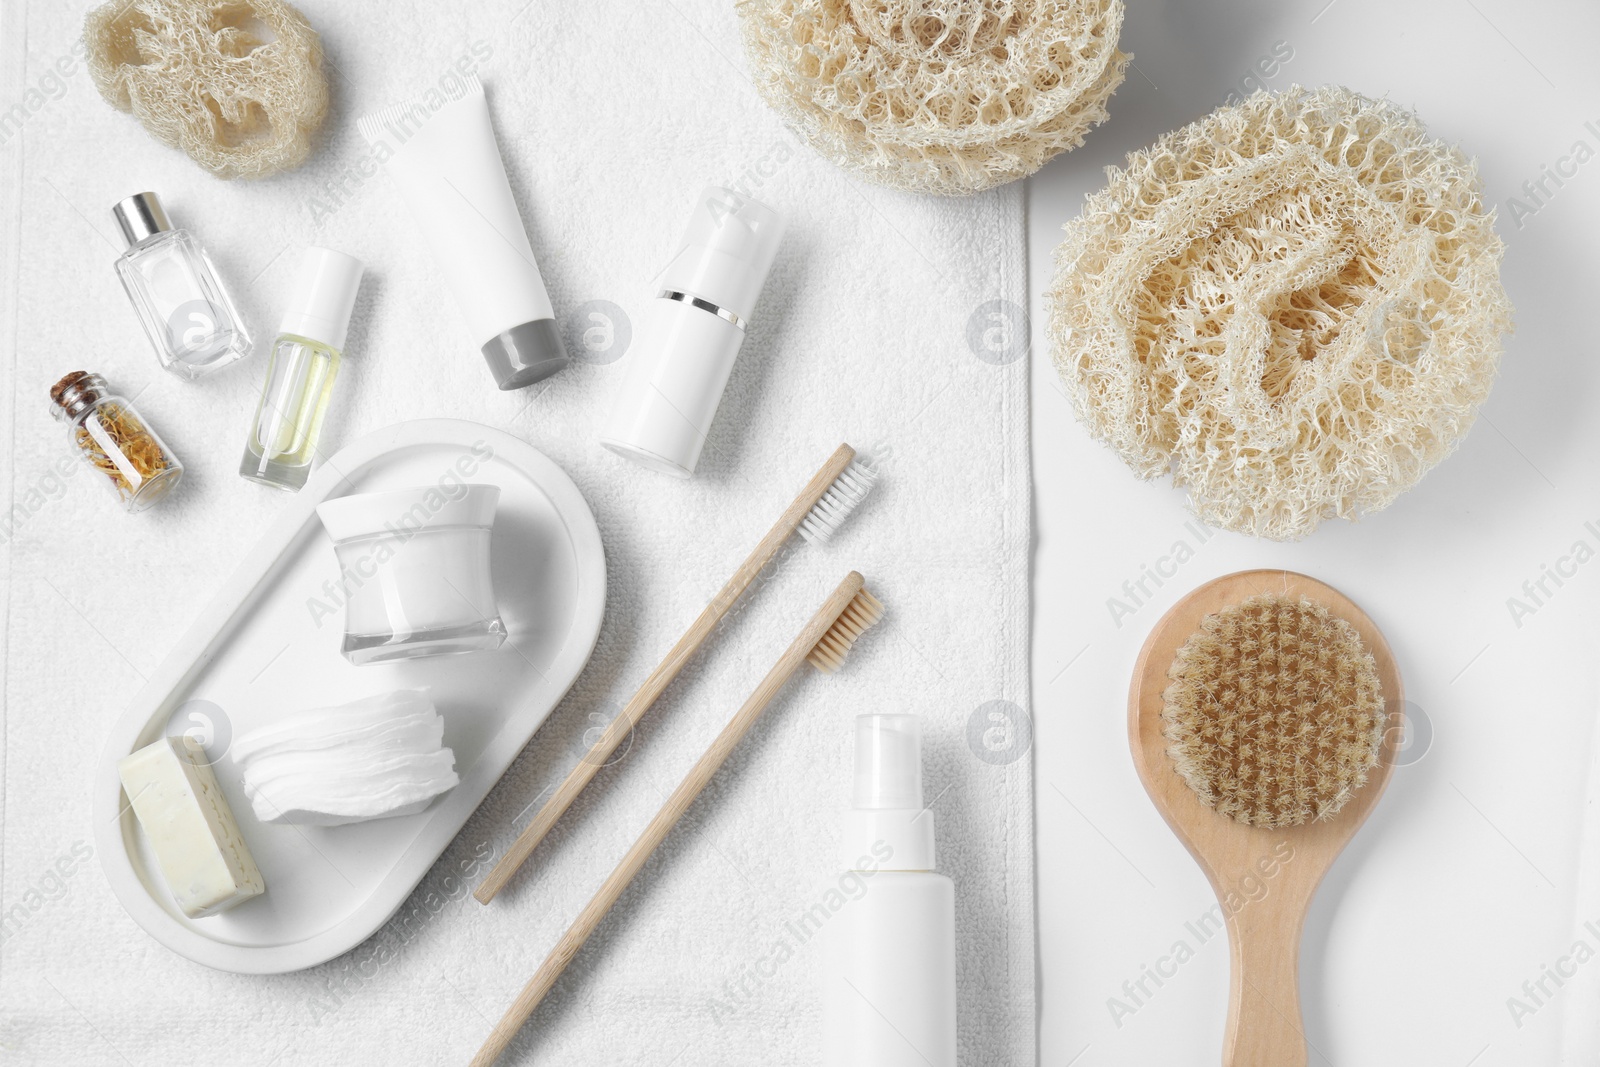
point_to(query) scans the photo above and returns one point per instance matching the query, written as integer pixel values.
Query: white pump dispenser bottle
(889, 985)
(692, 331)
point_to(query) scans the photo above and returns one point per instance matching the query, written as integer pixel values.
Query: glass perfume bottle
(301, 369)
(113, 438)
(185, 311)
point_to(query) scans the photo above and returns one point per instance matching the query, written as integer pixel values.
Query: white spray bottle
(889, 981)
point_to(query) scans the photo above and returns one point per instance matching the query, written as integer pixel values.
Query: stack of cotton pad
(370, 759)
(937, 96)
(1294, 305)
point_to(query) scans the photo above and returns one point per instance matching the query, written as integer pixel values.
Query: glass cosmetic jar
(414, 571)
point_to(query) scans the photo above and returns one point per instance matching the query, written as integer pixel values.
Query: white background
(1464, 883)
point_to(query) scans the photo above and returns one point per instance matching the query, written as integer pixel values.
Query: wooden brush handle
(1264, 1026)
(695, 781)
(662, 676)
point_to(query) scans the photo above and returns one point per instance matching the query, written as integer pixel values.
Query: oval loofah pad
(937, 96)
(1293, 305)
(236, 84)
(1275, 712)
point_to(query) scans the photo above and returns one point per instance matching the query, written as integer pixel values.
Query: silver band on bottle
(703, 305)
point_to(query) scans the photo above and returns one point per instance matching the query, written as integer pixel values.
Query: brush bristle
(862, 612)
(1275, 712)
(843, 496)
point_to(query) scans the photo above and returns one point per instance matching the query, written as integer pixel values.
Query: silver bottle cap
(140, 216)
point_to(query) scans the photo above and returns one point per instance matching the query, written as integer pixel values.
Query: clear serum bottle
(301, 369)
(183, 307)
(889, 974)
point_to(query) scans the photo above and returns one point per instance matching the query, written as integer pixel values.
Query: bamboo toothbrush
(1258, 728)
(824, 643)
(827, 499)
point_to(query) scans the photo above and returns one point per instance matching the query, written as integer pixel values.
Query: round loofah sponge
(1293, 305)
(236, 84)
(1275, 712)
(937, 96)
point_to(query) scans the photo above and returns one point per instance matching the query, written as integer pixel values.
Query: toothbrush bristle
(843, 496)
(862, 612)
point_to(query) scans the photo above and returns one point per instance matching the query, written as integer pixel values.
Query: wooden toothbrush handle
(688, 789)
(668, 669)
(1264, 1025)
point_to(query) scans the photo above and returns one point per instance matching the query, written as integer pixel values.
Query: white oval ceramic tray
(268, 643)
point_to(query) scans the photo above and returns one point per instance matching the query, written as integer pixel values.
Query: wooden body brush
(1258, 723)
(823, 643)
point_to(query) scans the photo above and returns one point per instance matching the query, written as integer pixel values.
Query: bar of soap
(197, 843)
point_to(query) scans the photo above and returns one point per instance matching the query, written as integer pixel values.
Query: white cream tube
(443, 157)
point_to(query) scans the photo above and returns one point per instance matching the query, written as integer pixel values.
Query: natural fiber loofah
(236, 84)
(1275, 712)
(937, 96)
(1294, 305)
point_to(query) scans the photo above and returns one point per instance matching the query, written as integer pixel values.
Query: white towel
(611, 118)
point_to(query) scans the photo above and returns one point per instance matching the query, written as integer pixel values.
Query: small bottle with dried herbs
(114, 439)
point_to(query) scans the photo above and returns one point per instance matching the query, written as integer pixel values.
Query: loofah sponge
(1293, 305)
(937, 96)
(236, 84)
(1275, 712)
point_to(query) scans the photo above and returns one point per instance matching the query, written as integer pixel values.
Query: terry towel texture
(891, 321)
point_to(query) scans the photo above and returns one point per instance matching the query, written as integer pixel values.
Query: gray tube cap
(525, 354)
